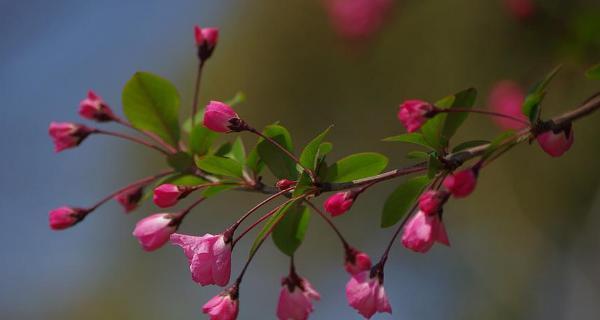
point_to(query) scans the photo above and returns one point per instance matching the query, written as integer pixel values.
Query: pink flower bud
(556, 144)
(461, 184)
(285, 184)
(422, 231)
(295, 299)
(130, 198)
(209, 257)
(507, 98)
(357, 262)
(167, 195)
(94, 108)
(154, 231)
(64, 217)
(339, 203)
(223, 306)
(367, 295)
(206, 41)
(431, 201)
(67, 135)
(220, 117)
(211, 36)
(414, 113)
(198, 35)
(358, 19)
(520, 9)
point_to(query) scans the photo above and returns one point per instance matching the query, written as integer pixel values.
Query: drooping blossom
(154, 231)
(220, 117)
(65, 217)
(94, 108)
(507, 98)
(422, 231)
(358, 19)
(339, 203)
(356, 261)
(556, 144)
(67, 135)
(130, 198)
(295, 298)
(366, 294)
(414, 113)
(461, 184)
(209, 257)
(224, 306)
(431, 201)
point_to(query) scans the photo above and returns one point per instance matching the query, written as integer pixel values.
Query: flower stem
(486, 112)
(197, 91)
(260, 204)
(130, 138)
(330, 223)
(148, 134)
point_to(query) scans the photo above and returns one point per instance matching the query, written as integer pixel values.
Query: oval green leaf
(356, 166)
(402, 200)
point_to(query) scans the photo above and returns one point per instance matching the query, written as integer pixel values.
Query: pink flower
(220, 117)
(358, 19)
(154, 231)
(431, 201)
(507, 98)
(211, 36)
(367, 295)
(223, 306)
(461, 183)
(206, 41)
(67, 135)
(94, 108)
(556, 144)
(167, 195)
(356, 261)
(284, 184)
(339, 203)
(414, 113)
(64, 217)
(130, 198)
(422, 231)
(520, 9)
(209, 257)
(295, 298)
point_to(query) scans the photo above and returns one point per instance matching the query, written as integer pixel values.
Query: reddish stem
(197, 91)
(130, 138)
(330, 223)
(148, 134)
(486, 112)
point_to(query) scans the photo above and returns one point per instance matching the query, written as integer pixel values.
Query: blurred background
(525, 246)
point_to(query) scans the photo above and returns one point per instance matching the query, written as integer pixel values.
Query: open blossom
(94, 108)
(130, 198)
(167, 195)
(339, 203)
(154, 231)
(67, 135)
(223, 306)
(367, 295)
(358, 19)
(556, 144)
(209, 257)
(507, 98)
(220, 117)
(295, 299)
(414, 113)
(422, 231)
(431, 201)
(64, 217)
(357, 262)
(461, 184)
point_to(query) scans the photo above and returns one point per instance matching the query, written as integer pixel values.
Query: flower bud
(284, 184)
(206, 41)
(462, 183)
(356, 261)
(130, 198)
(358, 19)
(556, 144)
(220, 117)
(154, 231)
(366, 294)
(223, 306)
(506, 98)
(65, 217)
(339, 203)
(431, 201)
(67, 135)
(422, 231)
(414, 113)
(167, 195)
(94, 108)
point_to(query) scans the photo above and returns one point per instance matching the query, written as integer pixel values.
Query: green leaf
(289, 233)
(276, 160)
(310, 154)
(235, 151)
(593, 72)
(531, 105)
(469, 144)
(325, 148)
(433, 165)
(180, 161)
(214, 190)
(151, 103)
(496, 143)
(356, 166)
(432, 132)
(269, 224)
(417, 155)
(463, 100)
(185, 180)
(401, 200)
(220, 166)
(201, 139)
(237, 99)
(253, 161)
(414, 138)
